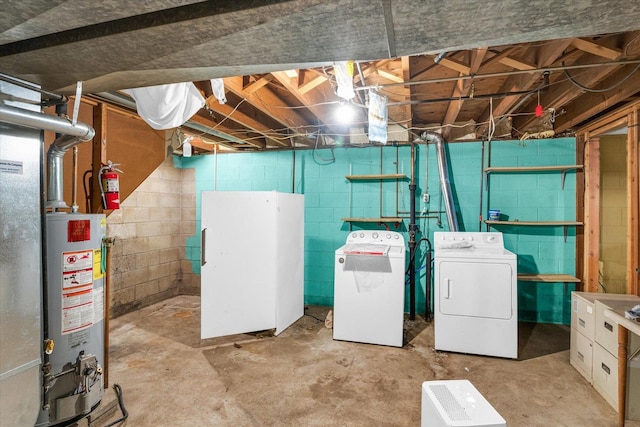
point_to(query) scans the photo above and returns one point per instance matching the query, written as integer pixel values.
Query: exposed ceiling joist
(596, 49)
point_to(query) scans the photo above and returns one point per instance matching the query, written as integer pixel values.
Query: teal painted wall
(329, 196)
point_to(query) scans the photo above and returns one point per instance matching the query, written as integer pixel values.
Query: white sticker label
(77, 291)
(98, 304)
(11, 166)
(589, 309)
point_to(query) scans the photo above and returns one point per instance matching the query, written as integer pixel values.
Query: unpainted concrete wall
(148, 259)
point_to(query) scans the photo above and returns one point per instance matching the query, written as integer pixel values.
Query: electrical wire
(588, 89)
(125, 414)
(315, 156)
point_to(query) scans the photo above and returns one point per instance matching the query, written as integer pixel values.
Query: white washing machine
(475, 294)
(368, 304)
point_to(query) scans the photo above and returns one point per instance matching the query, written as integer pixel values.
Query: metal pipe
(497, 74)
(482, 176)
(52, 98)
(71, 135)
(427, 286)
(441, 156)
(74, 182)
(412, 237)
(108, 243)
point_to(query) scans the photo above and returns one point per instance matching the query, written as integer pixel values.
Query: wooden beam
(230, 135)
(561, 94)
(271, 105)
(99, 156)
(580, 211)
(590, 104)
(591, 215)
(553, 50)
(390, 76)
(406, 92)
(243, 119)
(455, 65)
(314, 101)
(453, 109)
(261, 82)
(596, 49)
(314, 82)
(633, 202)
(521, 82)
(518, 64)
(496, 56)
(460, 89)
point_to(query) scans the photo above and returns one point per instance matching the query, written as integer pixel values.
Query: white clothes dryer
(368, 305)
(475, 294)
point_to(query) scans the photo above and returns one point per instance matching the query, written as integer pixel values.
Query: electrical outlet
(425, 197)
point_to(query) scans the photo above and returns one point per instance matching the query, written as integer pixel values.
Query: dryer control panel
(463, 239)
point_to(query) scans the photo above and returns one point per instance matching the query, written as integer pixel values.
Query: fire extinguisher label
(111, 185)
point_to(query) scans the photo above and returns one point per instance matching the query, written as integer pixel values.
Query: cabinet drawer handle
(581, 356)
(609, 326)
(581, 322)
(606, 369)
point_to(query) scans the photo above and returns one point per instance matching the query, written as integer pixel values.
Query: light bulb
(345, 113)
(186, 149)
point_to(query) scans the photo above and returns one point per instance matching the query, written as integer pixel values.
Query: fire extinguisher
(110, 186)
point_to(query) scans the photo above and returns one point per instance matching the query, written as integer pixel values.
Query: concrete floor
(303, 377)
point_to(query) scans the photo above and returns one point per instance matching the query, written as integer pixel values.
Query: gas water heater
(51, 301)
(74, 340)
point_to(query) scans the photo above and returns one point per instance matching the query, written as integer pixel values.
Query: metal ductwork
(443, 172)
(70, 134)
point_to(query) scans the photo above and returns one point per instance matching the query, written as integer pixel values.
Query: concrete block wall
(613, 213)
(329, 197)
(537, 196)
(148, 261)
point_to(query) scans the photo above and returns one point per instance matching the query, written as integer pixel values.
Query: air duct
(69, 135)
(443, 172)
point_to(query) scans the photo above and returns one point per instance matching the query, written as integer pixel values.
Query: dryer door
(476, 288)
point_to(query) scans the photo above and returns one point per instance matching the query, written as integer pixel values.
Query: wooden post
(623, 339)
(633, 203)
(592, 215)
(99, 154)
(580, 211)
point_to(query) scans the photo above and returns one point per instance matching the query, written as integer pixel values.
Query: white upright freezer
(252, 261)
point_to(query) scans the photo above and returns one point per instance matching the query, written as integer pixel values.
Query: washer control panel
(383, 237)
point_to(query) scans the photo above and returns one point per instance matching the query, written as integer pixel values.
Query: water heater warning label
(77, 291)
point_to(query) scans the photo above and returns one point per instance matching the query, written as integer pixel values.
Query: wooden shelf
(510, 169)
(372, 219)
(548, 278)
(534, 223)
(374, 177)
(564, 224)
(532, 168)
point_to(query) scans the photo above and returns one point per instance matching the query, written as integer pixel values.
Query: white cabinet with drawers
(594, 341)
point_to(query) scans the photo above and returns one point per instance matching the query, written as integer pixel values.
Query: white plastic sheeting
(344, 78)
(167, 106)
(377, 117)
(217, 86)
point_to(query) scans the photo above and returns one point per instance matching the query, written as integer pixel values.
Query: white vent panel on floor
(456, 403)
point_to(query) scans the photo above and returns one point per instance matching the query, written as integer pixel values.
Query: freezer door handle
(203, 240)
